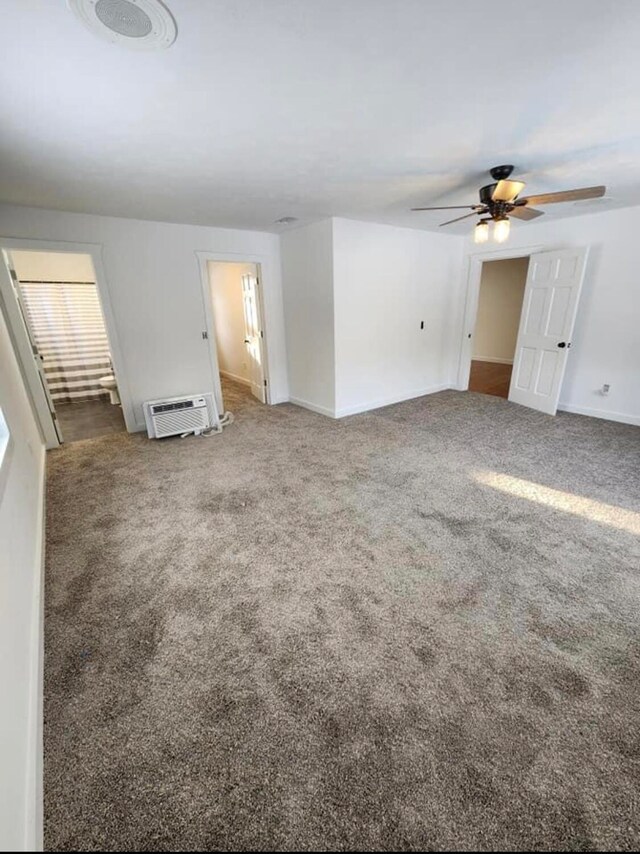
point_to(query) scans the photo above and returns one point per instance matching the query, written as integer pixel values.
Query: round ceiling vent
(141, 24)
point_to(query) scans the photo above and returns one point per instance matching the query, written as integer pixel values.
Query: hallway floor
(490, 378)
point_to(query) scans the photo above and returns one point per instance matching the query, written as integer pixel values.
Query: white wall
(499, 309)
(606, 340)
(154, 286)
(307, 275)
(53, 266)
(388, 280)
(225, 280)
(21, 532)
(155, 291)
(355, 295)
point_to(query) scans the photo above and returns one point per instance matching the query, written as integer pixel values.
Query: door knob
(248, 341)
(562, 344)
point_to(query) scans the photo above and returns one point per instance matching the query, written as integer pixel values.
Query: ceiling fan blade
(506, 191)
(564, 196)
(466, 216)
(450, 208)
(525, 212)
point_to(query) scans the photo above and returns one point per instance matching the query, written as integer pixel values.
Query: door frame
(475, 260)
(30, 372)
(261, 262)
(94, 251)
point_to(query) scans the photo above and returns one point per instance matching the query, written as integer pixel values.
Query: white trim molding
(263, 265)
(492, 360)
(605, 414)
(389, 401)
(312, 407)
(372, 405)
(472, 275)
(235, 377)
(33, 830)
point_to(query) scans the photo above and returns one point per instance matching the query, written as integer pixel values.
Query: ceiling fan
(500, 200)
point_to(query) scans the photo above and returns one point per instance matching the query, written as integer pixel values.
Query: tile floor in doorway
(89, 419)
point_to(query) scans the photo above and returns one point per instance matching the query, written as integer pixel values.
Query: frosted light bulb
(501, 230)
(481, 232)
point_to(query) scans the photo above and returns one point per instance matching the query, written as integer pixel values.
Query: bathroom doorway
(58, 304)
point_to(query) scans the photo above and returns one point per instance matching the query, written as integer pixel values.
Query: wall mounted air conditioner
(175, 416)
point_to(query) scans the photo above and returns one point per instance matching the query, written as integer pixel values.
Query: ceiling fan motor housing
(501, 173)
(498, 173)
(496, 208)
(486, 193)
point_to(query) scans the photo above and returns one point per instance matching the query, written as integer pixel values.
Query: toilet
(109, 382)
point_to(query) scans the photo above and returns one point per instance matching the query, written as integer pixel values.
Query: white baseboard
(305, 404)
(235, 378)
(622, 417)
(33, 829)
(389, 401)
(491, 359)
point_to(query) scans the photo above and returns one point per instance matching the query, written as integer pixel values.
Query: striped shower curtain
(68, 327)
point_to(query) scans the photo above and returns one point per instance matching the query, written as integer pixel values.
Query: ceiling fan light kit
(481, 231)
(501, 229)
(506, 191)
(501, 200)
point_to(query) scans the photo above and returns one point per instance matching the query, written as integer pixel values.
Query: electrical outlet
(605, 389)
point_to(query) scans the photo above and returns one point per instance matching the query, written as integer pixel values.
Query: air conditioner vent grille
(170, 407)
(170, 423)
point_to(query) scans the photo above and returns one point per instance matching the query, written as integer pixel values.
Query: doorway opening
(238, 348)
(500, 299)
(59, 308)
(547, 316)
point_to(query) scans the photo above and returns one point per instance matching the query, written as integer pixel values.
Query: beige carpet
(417, 628)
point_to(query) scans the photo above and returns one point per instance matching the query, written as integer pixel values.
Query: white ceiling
(312, 108)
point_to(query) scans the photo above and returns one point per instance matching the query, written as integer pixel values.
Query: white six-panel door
(554, 281)
(253, 336)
